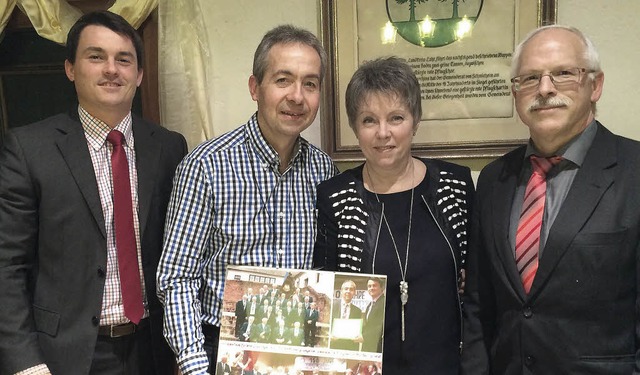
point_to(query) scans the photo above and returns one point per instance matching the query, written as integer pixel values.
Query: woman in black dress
(400, 216)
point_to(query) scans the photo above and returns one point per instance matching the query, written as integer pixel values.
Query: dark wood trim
(149, 87)
(328, 129)
(18, 20)
(549, 12)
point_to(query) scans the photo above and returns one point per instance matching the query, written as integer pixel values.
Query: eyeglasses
(559, 78)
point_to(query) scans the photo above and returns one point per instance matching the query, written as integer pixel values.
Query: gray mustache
(548, 102)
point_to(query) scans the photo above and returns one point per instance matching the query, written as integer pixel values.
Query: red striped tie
(130, 284)
(528, 234)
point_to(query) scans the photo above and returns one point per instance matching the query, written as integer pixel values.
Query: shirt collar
(97, 130)
(576, 149)
(265, 151)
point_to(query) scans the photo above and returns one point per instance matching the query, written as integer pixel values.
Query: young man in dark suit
(241, 313)
(373, 317)
(553, 277)
(83, 197)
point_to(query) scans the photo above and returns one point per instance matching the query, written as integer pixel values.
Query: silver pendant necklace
(404, 285)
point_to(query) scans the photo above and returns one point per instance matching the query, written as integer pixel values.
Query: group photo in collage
(278, 321)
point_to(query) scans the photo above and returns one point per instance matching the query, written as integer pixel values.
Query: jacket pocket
(609, 358)
(46, 321)
(606, 364)
(600, 239)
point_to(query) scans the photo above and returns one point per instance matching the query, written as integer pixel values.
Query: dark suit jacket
(262, 297)
(256, 310)
(296, 316)
(241, 315)
(278, 337)
(261, 333)
(295, 339)
(53, 244)
(222, 368)
(373, 326)
(354, 313)
(581, 315)
(244, 336)
(311, 317)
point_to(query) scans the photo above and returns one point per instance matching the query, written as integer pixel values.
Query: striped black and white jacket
(348, 222)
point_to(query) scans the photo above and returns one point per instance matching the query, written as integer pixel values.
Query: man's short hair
(285, 34)
(378, 280)
(111, 21)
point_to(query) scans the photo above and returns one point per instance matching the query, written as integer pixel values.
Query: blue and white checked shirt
(231, 205)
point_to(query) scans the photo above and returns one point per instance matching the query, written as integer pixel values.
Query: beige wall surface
(234, 30)
(612, 27)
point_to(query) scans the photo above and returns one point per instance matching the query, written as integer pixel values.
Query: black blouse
(432, 329)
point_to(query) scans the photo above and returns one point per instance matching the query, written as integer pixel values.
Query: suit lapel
(592, 180)
(148, 152)
(73, 147)
(501, 202)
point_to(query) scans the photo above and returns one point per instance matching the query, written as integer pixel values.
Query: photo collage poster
(284, 321)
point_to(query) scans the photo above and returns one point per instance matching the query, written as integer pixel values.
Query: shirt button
(280, 251)
(527, 312)
(281, 215)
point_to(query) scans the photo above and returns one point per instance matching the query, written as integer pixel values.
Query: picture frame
(255, 339)
(450, 128)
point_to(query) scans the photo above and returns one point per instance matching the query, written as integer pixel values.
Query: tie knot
(115, 137)
(542, 165)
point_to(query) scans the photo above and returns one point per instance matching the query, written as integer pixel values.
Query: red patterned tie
(528, 234)
(130, 285)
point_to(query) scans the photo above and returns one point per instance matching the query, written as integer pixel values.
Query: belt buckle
(111, 333)
(114, 334)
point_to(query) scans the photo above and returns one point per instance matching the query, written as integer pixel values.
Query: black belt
(119, 330)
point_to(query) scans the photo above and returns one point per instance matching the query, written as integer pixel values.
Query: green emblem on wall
(433, 23)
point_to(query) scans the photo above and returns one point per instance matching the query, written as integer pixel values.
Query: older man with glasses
(552, 279)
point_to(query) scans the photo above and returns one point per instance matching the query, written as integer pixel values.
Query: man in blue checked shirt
(247, 197)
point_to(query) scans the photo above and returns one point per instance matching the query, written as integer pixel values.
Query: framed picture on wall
(459, 50)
